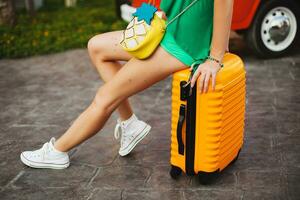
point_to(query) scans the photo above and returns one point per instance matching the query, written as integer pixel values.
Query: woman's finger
(201, 81)
(213, 81)
(206, 81)
(195, 77)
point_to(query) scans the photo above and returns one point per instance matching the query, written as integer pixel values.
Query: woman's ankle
(58, 147)
(126, 117)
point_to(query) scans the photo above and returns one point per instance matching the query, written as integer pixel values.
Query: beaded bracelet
(215, 60)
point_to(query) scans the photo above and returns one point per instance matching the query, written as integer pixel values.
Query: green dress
(188, 38)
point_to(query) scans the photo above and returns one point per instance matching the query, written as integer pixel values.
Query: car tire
(268, 40)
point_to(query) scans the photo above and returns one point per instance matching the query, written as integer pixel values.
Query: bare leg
(135, 76)
(105, 53)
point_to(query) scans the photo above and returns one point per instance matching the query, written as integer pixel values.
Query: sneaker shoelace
(42, 151)
(120, 132)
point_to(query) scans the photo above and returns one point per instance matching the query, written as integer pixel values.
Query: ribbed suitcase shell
(219, 123)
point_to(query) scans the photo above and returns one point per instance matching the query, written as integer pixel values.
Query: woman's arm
(220, 39)
(221, 29)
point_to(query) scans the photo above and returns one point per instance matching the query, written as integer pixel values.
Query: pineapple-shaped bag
(145, 31)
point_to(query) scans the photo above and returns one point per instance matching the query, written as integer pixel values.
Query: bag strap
(179, 14)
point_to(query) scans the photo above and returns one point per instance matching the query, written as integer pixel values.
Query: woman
(201, 33)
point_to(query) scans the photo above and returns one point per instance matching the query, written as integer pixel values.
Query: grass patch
(56, 28)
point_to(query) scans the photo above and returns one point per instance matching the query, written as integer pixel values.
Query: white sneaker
(132, 131)
(46, 157)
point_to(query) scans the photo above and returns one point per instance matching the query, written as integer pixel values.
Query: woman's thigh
(107, 47)
(137, 75)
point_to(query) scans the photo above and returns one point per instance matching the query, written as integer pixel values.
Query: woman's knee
(96, 46)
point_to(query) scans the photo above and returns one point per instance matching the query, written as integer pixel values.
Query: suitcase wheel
(175, 172)
(207, 178)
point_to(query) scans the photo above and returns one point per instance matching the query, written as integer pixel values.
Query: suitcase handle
(179, 129)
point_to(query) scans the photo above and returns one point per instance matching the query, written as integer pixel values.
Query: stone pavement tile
(259, 143)
(135, 194)
(12, 81)
(37, 193)
(254, 98)
(287, 113)
(65, 104)
(289, 128)
(293, 180)
(288, 117)
(10, 168)
(146, 155)
(47, 117)
(155, 157)
(288, 98)
(3, 128)
(288, 143)
(255, 88)
(160, 143)
(257, 111)
(257, 73)
(75, 175)
(254, 73)
(286, 78)
(262, 87)
(103, 149)
(256, 161)
(254, 179)
(212, 194)
(289, 148)
(160, 179)
(134, 158)
(264, 193)
(106, 194)
(35, 135)
(260, 126)
(152, 195)
(161, 129)
(161, 112)
(122, 177)
(160, 123)
(11, 113)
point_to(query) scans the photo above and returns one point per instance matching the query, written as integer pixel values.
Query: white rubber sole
(43, 165)
(135, 141)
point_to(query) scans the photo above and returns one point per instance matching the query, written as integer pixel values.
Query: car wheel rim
(278, 29)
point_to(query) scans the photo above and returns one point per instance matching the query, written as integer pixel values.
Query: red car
(270, 27)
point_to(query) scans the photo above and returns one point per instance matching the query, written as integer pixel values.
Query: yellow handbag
(146, 30)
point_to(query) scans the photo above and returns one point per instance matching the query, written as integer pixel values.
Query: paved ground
(40, 96)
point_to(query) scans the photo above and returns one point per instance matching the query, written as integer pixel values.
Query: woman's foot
(132, 131)
(46, 157)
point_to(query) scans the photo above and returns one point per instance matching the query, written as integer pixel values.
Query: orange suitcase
(207, 128)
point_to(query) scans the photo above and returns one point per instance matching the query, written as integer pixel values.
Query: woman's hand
(206, 70)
